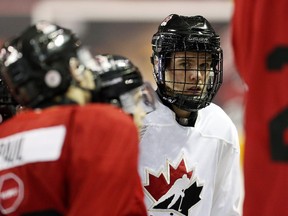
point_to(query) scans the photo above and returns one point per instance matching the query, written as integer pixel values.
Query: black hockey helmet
(35, 65)
(186, 34)
(119, 80)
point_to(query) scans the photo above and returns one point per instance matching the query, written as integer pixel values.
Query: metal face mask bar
(190, 74)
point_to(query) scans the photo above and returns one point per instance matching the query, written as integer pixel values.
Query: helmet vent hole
(53, 78)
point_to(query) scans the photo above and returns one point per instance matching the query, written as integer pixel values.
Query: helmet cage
(167, 43)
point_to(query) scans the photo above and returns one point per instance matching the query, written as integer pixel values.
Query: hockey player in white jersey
(190, 155)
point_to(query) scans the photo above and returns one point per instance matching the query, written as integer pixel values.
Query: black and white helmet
(120, 83)
(35, 65)
(186, 34)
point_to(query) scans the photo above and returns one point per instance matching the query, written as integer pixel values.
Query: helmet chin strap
(188, 122)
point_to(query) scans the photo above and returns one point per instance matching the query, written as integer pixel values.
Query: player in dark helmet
(64, 148)
(8, 105)
(179, 43)
(36, 64)
(188, 139)
(120, 83)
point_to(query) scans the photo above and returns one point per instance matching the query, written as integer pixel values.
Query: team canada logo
(176, 194)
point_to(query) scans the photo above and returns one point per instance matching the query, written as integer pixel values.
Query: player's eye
(204, 66)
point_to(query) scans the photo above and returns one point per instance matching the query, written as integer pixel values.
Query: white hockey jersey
(190, 170)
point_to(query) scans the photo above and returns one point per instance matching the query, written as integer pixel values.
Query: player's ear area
(82, 75)
(75, 69)
(154, 60)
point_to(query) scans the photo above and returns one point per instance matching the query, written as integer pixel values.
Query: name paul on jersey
(10, 151)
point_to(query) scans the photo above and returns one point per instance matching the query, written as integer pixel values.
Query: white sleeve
(228, 194)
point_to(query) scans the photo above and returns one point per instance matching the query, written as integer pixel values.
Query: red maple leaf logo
(158, 186)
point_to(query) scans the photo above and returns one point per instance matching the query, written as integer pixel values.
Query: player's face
(188, 73)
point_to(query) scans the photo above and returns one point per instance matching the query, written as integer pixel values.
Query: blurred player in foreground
(63, 156)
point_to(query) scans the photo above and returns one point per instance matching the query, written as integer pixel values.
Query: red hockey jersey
(70, 160)
(260, 40)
